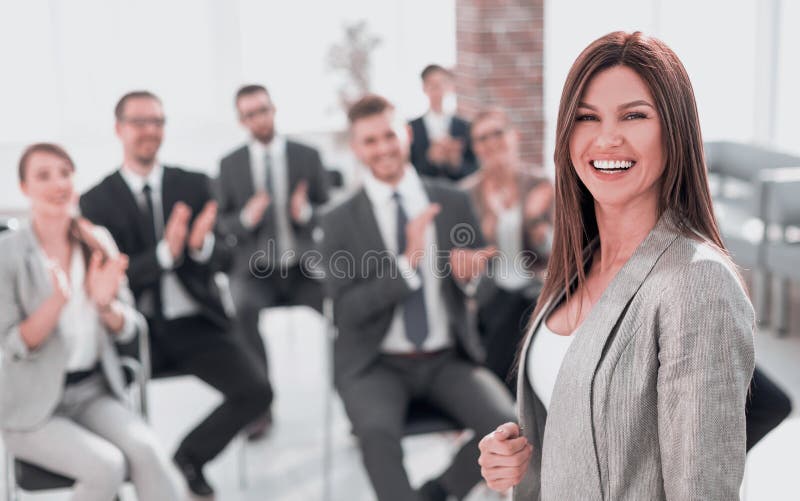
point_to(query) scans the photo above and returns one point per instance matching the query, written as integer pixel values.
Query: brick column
(500, 54)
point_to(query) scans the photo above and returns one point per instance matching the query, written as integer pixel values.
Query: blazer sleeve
(11, 343)
(318, 187)
(357, 299)
(706, 361)
(143, 268)
(229, 221)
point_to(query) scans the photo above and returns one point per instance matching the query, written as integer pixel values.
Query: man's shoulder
(102, 188)
(298, 146)
(186, 174)
(342, 212)
(236, 155)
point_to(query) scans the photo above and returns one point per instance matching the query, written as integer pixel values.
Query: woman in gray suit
(62, 305)
(635, 367)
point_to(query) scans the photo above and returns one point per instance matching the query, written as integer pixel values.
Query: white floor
(288, 465)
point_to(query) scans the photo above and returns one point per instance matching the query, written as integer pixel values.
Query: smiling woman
(635, 368)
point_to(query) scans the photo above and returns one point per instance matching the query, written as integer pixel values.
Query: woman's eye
(585, 118)
(635, 116)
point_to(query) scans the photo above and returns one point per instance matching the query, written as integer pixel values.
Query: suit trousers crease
(95, 440)
(195, 346)
(377, 401)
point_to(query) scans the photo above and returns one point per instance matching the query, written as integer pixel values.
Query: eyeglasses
(141, 122)
(263, 110)
(493, 134)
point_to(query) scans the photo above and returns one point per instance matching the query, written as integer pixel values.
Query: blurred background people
(163, 217)
(403, 329)
(515, 208)
(64, 305)
(440, 140)
(269, 192)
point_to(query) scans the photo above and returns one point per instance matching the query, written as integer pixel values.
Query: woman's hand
(504, 457)
(60, 281)
(104, 278)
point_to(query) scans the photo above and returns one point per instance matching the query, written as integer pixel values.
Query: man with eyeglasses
(269, 191)
(163, 218)
(440, 144)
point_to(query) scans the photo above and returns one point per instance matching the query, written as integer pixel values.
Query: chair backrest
(781, 196)
(744, 161)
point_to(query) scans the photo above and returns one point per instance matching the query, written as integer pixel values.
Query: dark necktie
(150, 304)
(149, 215)
(415, 317)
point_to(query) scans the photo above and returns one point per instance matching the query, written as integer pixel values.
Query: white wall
(65, 64)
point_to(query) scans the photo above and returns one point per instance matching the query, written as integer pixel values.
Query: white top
(78, 320)
(437, 125)
(414, 200)
(175, 299)
(545, 357)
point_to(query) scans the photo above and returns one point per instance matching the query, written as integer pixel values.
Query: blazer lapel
(292, 170)
(244, 176)
(571, 423)
(123, 194)
(170, 188)
(365, 220)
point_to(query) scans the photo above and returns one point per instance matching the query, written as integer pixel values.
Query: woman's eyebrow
(638, 102)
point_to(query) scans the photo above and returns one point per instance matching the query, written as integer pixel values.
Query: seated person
(515, 208)
(163, 218)
(63, 305)
(440, 142)
(398, 262)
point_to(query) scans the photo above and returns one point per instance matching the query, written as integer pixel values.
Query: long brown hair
(684, 185)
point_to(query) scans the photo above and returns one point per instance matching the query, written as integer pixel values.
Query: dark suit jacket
(236, 187)
(365, 291)
(459, 129)
(111, 204)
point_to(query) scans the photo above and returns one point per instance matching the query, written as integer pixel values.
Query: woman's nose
(609, 137)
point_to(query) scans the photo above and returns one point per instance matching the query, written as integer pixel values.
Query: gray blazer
(366, 288)
(235, 187)
(32, 381)
(649, 402)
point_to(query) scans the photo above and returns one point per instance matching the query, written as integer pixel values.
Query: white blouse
(78, 322)
(545, 356)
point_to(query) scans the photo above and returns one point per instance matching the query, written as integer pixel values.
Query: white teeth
(612, 164)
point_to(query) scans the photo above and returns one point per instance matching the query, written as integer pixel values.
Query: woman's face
(49, 185)
(616, 146)
(495, 143)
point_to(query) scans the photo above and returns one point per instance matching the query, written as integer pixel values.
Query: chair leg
(760, 293)
(243, 461)
(780, 306)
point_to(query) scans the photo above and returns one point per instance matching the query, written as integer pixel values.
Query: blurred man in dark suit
(163, 218)
(400, 255)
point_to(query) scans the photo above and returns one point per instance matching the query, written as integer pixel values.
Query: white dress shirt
(279, 176)
(176, 301)
(547, 352)
(437, 125)
(414, 200)
(509, 275)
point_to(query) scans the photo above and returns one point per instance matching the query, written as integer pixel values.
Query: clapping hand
(104, 277)
(203, 225)
(299, 200)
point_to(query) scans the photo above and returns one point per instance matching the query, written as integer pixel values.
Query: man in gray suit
(269, 192)
(400, 254)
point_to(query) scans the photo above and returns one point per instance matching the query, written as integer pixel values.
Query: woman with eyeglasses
(63, 305)
(514, 207)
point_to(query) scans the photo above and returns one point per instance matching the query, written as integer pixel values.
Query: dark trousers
(767, 405)
(196, 346)
(377, 401)
(251, 294)
(501, 323)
